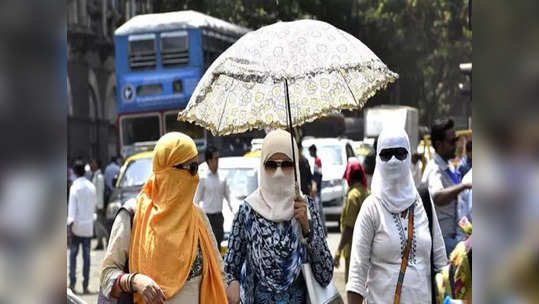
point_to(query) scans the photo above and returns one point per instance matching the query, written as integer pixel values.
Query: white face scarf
(392, 181)
(274, 198)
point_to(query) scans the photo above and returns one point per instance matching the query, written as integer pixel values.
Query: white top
(81, 207)
(437, 179)
(211, 191)
(99, 182)
(378, 243)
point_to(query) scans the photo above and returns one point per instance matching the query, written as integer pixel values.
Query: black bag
(425, 198)
(125, 298)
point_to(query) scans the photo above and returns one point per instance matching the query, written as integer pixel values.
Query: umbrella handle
(287, 100)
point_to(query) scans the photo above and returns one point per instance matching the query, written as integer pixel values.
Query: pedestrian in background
(317, 179)
(416, 168)
(466, 162)
(357, 192)
(99, 183)
(316, 170)
(169, 254)
(80, 224)
(111, 171)
(391, 244)
(211, 191)
(265, 253)
(443, 181)
(307, 184)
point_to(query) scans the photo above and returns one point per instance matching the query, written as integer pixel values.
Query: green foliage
(422, 40)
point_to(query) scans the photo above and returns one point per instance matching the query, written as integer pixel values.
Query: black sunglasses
(273, 165)
(192, 167)
(399, 153)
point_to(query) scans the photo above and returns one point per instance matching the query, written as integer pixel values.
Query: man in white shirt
(443, 181)
(80, 226)
(99, 183)
(211, 191)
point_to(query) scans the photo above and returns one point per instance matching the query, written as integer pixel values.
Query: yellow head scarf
(167, 227)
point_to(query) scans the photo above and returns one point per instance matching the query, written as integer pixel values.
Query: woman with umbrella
(265, 252)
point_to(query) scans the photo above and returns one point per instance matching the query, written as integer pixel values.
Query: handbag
(404, 263)
(316, 293)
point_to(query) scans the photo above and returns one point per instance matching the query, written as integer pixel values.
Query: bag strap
(427, 205)
(404, 263)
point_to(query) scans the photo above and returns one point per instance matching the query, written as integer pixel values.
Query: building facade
(91, 81)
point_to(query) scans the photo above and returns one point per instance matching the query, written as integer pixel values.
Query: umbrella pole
(287, 99)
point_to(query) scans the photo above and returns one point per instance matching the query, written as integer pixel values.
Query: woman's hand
(148, 289)
(233, 292)
(337, 260)
(300, 213)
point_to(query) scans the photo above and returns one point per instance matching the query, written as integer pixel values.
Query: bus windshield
(142, 51)
(139, 129)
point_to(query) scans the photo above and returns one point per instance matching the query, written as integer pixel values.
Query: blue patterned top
(266, 257)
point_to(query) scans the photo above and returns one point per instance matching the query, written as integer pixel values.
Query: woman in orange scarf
(170, 251)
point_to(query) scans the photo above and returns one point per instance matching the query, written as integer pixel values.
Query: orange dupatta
(167, 227)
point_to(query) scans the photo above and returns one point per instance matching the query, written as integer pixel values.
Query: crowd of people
(403, 238)
(88, 190)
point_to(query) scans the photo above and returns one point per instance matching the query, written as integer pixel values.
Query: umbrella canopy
(322, 69)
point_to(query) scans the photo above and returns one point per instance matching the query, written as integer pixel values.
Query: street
(96, 257)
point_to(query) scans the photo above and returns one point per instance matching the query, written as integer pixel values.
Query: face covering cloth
(274, 198)
(392, 181)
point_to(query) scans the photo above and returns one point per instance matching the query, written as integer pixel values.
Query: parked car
(242, 175)
(334, 154)
(133, 174)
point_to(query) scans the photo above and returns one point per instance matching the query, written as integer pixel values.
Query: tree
(422, 40)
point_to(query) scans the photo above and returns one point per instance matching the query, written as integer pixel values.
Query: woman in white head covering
(264, 257)
(381, 232)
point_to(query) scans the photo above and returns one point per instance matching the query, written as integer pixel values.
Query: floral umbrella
(284, 75)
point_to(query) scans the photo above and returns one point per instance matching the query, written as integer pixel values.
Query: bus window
(174, 48)
(142, 52)
(139, 129)
(213, 45)
(172, 124)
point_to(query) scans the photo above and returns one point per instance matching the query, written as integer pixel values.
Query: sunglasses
(192, 167)
(399, 153)
(273, 165)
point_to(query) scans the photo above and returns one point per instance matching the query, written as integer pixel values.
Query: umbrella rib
(222, 114)
(350, 90)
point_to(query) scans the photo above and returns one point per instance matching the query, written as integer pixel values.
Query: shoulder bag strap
(427, 205)
(404, 263)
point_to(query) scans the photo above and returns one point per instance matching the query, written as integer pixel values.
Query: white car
(242, 176)
(334, 154)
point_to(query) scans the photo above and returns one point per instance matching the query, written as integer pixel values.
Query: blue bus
(159, 60)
